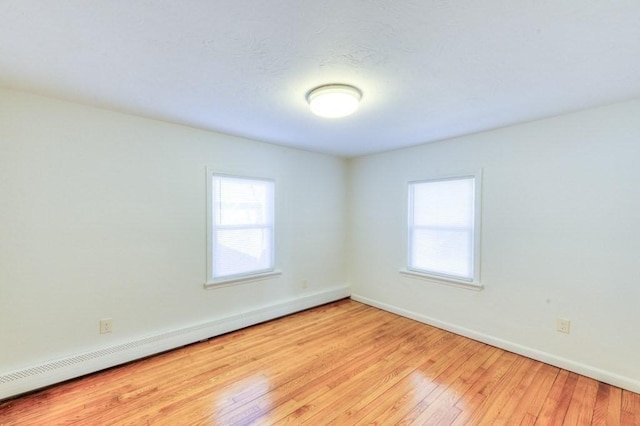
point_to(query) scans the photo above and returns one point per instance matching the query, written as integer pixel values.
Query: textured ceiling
(429, 69)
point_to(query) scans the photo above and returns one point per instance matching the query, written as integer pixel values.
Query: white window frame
(471, 283)
(224, 281)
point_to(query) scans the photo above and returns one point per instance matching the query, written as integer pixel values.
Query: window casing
(443, 228)
(240, 227)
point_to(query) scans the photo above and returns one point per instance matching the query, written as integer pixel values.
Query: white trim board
(37, 376)
(567, 364)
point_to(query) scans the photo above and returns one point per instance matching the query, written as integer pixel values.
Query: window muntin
(241, 227)
(442, 231)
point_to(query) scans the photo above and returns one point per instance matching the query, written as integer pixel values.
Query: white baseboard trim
(37, 376)
(567, 364)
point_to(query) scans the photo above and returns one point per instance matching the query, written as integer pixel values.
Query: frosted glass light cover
(334, 100)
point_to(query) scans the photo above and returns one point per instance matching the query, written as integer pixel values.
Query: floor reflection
(243, 401)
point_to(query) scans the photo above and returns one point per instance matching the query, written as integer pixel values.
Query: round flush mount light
(334, 100)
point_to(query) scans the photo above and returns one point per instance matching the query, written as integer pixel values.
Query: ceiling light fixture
(334, 100)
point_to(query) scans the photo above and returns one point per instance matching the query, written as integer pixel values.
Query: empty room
(336, 212)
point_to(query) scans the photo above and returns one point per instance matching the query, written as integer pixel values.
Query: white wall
(103, 215)
(560, 238)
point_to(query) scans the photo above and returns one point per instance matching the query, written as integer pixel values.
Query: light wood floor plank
(343, 363)
(531, 403)
(582, 404)
(630, 414)
(555, 406)
(475, 398)
(423, 381)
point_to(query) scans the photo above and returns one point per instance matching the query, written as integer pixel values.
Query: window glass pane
(242, 201)
(444, 203)
(240, 251)
(443, 252)
(441, 227)
(242, 226)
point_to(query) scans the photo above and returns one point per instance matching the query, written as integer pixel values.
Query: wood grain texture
(344, 363)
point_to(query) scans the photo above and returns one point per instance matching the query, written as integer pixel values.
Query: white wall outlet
(304, 283)
(563, 325)
(106, 326)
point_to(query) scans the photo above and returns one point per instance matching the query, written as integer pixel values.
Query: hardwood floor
(342, 364)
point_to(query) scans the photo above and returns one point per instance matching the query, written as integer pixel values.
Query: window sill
(227, 282)
(442, 280)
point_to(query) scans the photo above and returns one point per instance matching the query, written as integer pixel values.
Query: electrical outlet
(563, 325)
(304, 283)
(106, 326)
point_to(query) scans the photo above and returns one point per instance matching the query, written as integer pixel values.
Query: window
(241, 227)
(443, 228)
